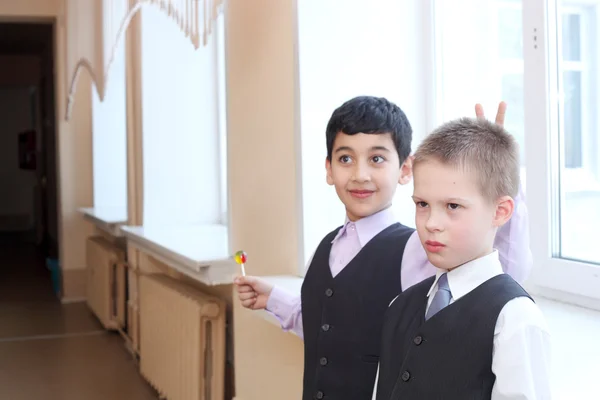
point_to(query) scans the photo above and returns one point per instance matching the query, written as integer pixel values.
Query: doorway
(28, 152)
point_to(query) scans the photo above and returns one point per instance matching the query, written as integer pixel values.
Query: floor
(52, 351)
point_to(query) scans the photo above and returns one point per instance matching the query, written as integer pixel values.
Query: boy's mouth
(434, 247)
(361, 194)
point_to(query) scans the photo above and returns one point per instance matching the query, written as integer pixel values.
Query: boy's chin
(440, 261)
(445, 262)
(437, 260)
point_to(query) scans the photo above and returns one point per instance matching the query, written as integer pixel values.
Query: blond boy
(471, 331)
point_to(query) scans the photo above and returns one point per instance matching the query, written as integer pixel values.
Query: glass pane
(571, 38)
(510, 29)
(572, 115)
(488, 75)
(579, 169)
(512, 93)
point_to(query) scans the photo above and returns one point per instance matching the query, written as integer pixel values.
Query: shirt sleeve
(287, 308)
(522, 352)
(512, 242)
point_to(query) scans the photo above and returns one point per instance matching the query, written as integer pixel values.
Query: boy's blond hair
(478, 146)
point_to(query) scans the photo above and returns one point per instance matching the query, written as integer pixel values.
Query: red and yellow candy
(240, 258)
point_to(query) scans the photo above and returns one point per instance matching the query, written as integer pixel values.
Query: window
(183, 125)
(562, 118)
(374, 49)
(480, 62)
(510, 51)
(109, 127)
(579, 178)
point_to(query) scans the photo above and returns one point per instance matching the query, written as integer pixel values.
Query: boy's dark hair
(368, 114)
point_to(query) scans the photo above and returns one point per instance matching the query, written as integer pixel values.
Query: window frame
(560, 278)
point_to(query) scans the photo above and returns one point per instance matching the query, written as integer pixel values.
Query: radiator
(106, 282)
(182, 339)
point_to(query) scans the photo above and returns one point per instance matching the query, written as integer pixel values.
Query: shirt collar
(467, 277)
(369, 227)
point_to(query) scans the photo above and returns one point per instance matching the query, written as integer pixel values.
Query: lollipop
(240, 258)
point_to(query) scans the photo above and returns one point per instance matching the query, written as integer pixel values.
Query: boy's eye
(453, 206)
(378, 159)
(421, 204)
(345, 159)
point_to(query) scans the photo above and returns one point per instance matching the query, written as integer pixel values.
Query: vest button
(418, 340)
(329, 292)
(325, 327)
(323, 361)
(405, 376)
(319, 395)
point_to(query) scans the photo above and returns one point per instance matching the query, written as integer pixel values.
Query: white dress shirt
(521, 352)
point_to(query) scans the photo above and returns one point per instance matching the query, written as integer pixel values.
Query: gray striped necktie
(442, 297)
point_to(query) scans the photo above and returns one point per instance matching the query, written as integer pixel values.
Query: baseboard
(73, 283)
(70, 300)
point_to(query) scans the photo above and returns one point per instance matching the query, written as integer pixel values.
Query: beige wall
(263, 206)
(75, 187)
(74, 171)
(29, 8)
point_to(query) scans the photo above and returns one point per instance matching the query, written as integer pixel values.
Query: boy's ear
(328, 168)
(406, 170)
(505, 206)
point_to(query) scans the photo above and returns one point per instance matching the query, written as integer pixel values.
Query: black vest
(449, 356)
(342, 316)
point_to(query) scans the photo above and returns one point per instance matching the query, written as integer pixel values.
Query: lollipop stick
(243, 270)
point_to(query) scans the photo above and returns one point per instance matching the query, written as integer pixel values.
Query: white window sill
(108, 219)
(200, 252)
(575, 332)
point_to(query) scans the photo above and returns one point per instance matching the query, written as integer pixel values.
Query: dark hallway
(28, 163)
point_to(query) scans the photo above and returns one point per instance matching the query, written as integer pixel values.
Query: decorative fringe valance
(101, 24)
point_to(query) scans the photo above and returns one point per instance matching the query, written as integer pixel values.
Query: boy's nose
(361, 173)
(434, 222)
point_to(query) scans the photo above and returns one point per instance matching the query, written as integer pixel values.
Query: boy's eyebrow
(381, 148)
(457, 200)
(374, 148)
(343, 148)
(448, 200)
